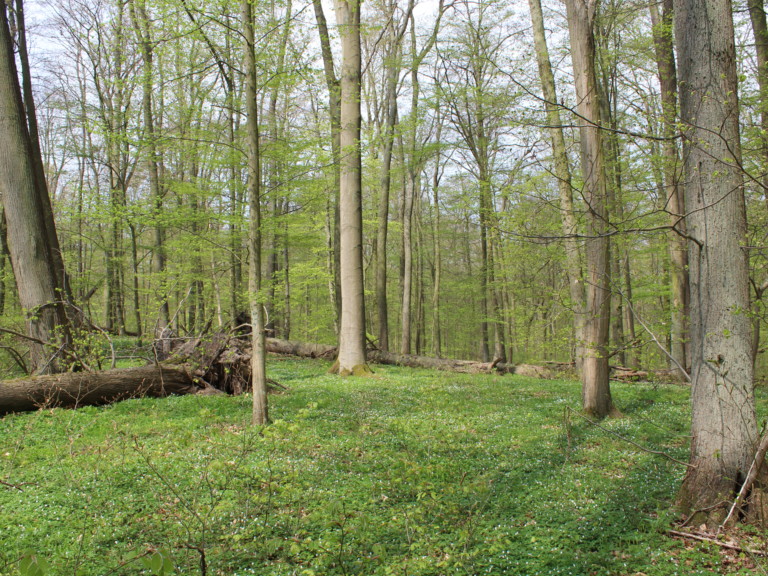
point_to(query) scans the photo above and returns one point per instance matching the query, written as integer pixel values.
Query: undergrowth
(408, 473)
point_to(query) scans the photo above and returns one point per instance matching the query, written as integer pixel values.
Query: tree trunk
(3, 258)
(73, 390)
(723, 429)
(351, 358)
(562, 174)
(334, 104)
(60, 274)
(760, 32)
(141, 25)
(596, 392)
(258, 355)
(675, 201)
(28, 245)
(409, 193)
(437, 348)
(390, 120)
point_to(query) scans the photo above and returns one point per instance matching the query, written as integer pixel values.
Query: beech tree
(724, 428)
(351, 358)
(562, 173)
(596, 392)
(258, 350)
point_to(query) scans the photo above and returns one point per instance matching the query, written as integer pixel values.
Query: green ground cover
(408, 473)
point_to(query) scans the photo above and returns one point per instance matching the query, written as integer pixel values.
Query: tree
(723, 428)
(143, 32)
(562, 173)
(674, 200)
(31, 251)
(596, 392)
(255, 296)
(352, 339)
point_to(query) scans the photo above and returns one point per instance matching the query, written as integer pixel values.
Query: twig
(655, 340)
(709, 540)
(16, 486)
(635, 444)
(754, 469)
(17, 358)
(24, 336)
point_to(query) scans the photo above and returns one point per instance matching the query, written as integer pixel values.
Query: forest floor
(410, 472)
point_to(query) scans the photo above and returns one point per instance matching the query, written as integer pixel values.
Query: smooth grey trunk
(436, 252)
(723, 428)
(596, 392)
(352, 355)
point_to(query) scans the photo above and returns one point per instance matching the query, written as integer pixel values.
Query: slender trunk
(677, 245)
(258, 354)
(334, 104)
(563, 176)
(405, 317)
(596, 392)
(141, 25)
(383, 218)
(436, 255)
(760, 32)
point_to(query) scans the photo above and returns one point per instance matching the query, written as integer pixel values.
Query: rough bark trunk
(60, 274)
(72, 390)
(29, 249)
(723, 429)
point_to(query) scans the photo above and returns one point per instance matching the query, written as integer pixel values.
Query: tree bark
(675, 202)
(351, 358)
(562, 174)
(255, 296)
(723, 429)
(596, 392)
(57, 259)
(72, 390)
(28, 243)
(142, 28)
(334, 105)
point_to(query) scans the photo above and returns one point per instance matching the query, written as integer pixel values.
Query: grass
(409, 473)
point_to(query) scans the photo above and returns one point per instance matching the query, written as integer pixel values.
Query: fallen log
(305, 350)
(216, 364)
(75, 389)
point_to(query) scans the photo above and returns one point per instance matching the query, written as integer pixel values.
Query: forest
(472, 185)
